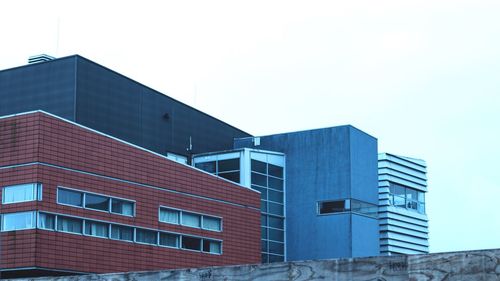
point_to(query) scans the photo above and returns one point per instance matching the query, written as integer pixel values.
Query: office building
(403, 221)
(75, 200)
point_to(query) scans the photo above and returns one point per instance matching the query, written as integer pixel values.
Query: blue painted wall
(326, 164)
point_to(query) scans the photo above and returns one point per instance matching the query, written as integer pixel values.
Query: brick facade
(38, 147)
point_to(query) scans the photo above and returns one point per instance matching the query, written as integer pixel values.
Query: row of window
(22, 193)
(180, 217)
(347, 205)
(28, 220)
(95, 202)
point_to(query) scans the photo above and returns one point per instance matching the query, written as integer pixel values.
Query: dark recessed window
(329, 207)
(96, 202)
(259, 166)
(191, 243)
(229, 165)
(206, 166)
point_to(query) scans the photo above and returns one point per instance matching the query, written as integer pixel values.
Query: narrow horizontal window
(122, 207)
(121, 232)
(145, 236)
(329, 207)
(70, 197)
(96, 202)
(211, 223)
(46, 221)
(191, 243)
(210, 246)
(18, 221)
(169, 216)
(95, 228)
(68, 224)
(192, 220)
(21, 193)
(169, 240)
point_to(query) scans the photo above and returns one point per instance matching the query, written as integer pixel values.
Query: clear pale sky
(421, 76)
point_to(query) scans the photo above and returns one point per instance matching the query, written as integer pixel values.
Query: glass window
(276, 235)
(328, 207)
(145, 236)
(21, 193)
(46, 221)
(70, 197)
(263, 220)
(364, 208)
(275, 258)
(263, 232)
(121, 232)
(169, 240)
(275, 171)
(189, 219)
(122, 207)
(169, 216)
(275, 209)
(211, 223)
(210, 246)
(276, 248)
(264, 258)
(276, 196)
(98, 229)
(259, 166)
(191, 243)
(67, 224)
(96, 202)
(275, 183)
(276, 222)
(263, 206)
(259, 179)
(232, 176)
(206, 166)
(228, 165)
(18, 221)
(263, 245)
(262, 190)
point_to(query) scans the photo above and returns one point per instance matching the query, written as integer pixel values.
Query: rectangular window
(96, 202)
(121, 232)
(228, 165)
(329, 207)
(206, 166)
(191, 243)
(169, 216)
(70, 197)
(192, 220)
(145, 236)
(169, 240)
(67, 224)
(122, 207)
(22, 193)
(18, 221)
(46, 221)
(95, 228)
(210, 246)
(211, 223)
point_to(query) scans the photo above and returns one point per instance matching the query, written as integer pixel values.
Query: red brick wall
(38, 137)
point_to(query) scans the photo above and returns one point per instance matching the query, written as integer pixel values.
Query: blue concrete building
(330, 189)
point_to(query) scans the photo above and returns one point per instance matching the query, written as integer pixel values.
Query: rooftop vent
(40, 58)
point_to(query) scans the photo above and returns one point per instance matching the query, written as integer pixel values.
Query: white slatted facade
(403, 229)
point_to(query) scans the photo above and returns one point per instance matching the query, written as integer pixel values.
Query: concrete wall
(455, 266)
